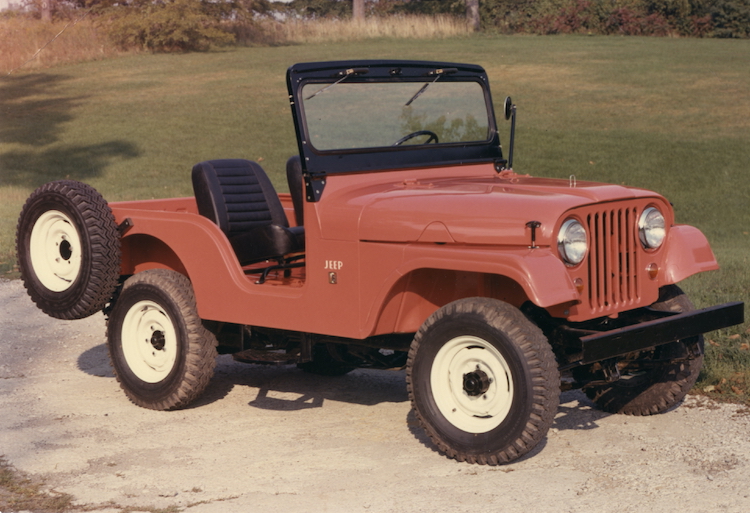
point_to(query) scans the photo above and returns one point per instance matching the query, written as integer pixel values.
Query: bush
(166, 25)
(433, 7)
(696, 18)
(631, 23)
(701, 26)
(699, 18)
(316, 8)
(507, 16)
(731, 18)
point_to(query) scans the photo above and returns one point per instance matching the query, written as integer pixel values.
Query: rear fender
(141, 252)
(187, 243)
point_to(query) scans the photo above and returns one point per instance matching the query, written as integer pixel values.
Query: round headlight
(572, 242)
(651, 228)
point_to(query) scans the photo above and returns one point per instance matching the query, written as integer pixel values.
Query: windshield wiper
(346, 74)
(439, 73)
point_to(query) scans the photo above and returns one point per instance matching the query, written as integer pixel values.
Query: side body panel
(356, 283)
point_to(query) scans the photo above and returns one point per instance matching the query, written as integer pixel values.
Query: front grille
(613, 260)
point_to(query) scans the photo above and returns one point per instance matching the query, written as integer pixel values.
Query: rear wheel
(162, 355)
(655, 380)
(483, 381)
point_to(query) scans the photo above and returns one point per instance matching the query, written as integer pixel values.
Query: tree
(173, 25)
(46, 8)
(472, 14)
(358, 9)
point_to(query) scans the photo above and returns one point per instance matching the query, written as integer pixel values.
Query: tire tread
(662, 393)
(539, 358)
(101, 240)
(200, 357)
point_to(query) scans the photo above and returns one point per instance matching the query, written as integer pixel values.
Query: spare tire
(68, 249)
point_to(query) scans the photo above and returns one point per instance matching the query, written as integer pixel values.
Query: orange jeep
(407, 242)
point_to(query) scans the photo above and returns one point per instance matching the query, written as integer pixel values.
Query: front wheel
(162, 355)
(483, 381)
(655, 380)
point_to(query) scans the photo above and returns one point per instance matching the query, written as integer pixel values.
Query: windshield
(357, 114)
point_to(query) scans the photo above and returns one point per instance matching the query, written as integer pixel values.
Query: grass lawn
(672, 115)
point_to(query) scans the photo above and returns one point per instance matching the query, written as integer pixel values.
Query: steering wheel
(433, 137)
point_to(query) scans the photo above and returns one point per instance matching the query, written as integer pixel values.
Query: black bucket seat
(238, 196)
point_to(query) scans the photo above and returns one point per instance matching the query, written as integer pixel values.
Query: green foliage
(698, 18)
(316, 8)
(731, 18)
(175, 25)
(432, 7)
(507, 16)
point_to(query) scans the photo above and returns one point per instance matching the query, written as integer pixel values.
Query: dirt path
(276, 439)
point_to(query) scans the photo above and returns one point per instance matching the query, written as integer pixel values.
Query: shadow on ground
(34, 117)
(281, 388)
(32, 113)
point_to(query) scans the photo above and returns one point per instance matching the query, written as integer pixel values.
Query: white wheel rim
(471, 413)
(149, 341)
(55, 250)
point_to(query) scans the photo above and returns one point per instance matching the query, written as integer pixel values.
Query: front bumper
(599, 346)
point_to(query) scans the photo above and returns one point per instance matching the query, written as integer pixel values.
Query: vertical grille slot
(613, 259)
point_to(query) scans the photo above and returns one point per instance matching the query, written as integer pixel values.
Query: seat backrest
(296, 188)
(237, 195)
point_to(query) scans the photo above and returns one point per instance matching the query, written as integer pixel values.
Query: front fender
(688, 253)
(539, 271)
(413, 291)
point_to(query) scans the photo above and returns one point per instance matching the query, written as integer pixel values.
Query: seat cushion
(267, 243)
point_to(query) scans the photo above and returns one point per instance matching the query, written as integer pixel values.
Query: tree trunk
(46, 10)
(472, 14)
(358, 9)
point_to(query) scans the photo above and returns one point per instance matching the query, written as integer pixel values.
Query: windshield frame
(383, 158)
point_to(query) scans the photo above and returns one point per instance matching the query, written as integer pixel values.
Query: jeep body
(413, 223)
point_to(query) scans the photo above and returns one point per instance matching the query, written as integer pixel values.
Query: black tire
(162, 355)
(661, 387)
(68, 249)
(495, 412)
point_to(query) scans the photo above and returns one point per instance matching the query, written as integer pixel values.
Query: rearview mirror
(508, 107)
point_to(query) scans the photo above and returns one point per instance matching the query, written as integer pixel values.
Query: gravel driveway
(275, 439)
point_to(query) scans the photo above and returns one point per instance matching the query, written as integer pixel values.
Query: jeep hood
(482, 210)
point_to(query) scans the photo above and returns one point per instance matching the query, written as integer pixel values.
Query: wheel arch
(419, 293)
(184, 242)
(442, 274)
(141, 252)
